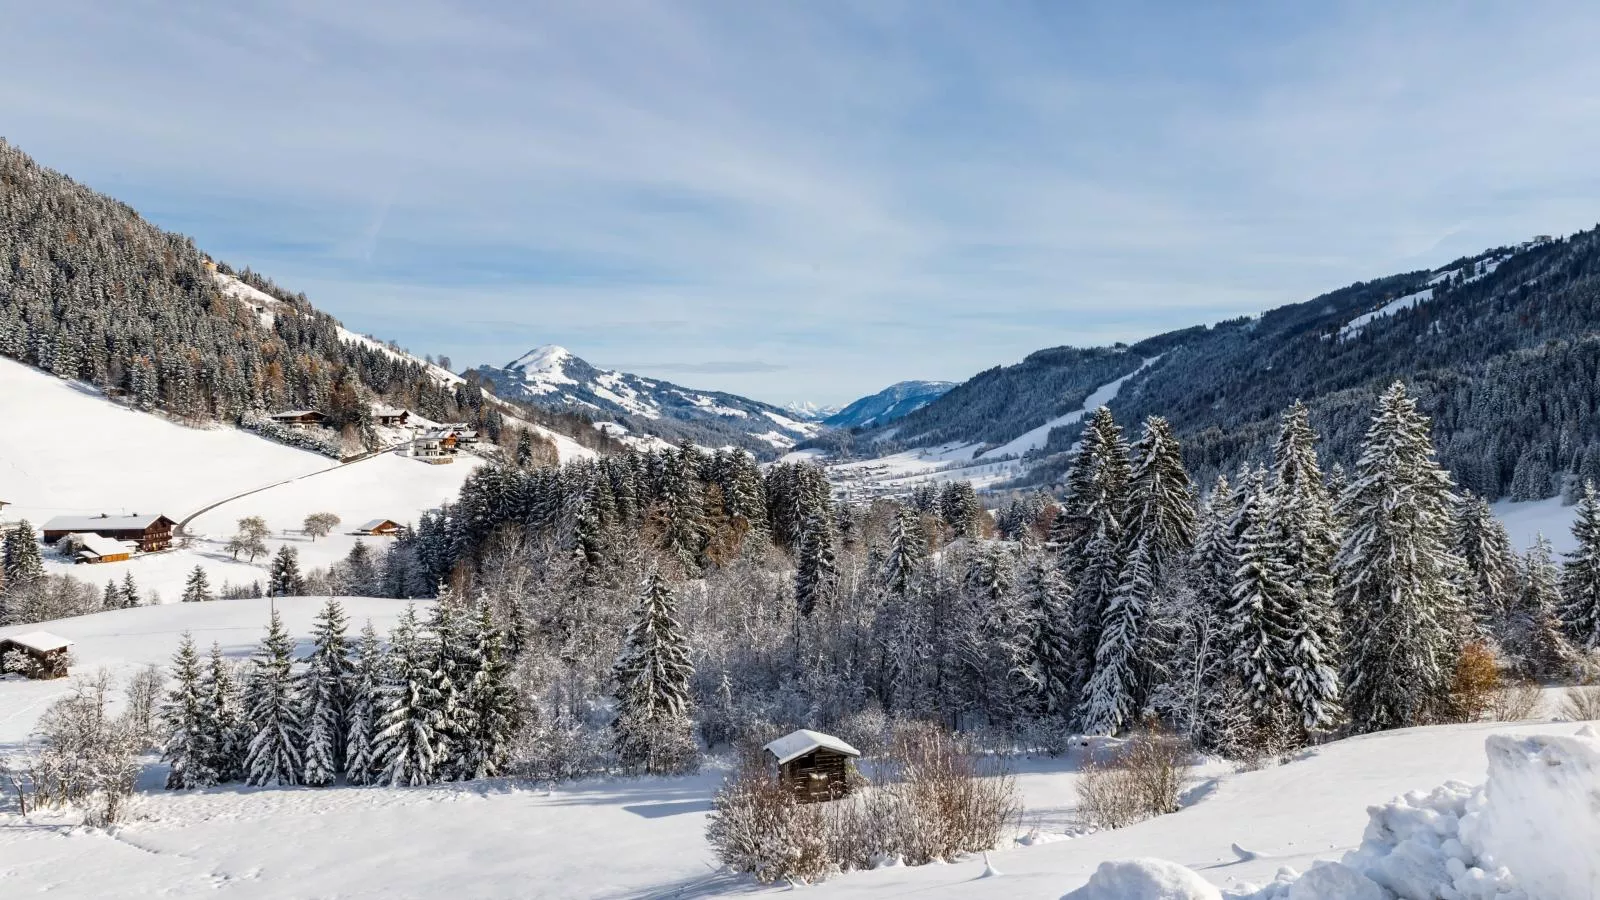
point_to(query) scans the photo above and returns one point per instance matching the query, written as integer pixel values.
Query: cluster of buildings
(435, 444)
(107, 538)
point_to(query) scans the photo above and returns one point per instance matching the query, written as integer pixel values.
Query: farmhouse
(435, 447)
(37, 654)
(815, 766)
(150, 533)
(379, 528)
(300, 419)
(389, 416)
(85, 547)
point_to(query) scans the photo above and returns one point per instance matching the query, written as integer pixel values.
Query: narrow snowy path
(180, 529)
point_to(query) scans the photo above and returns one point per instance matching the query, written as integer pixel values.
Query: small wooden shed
(813, 765)
(379, 528)
(47, 652)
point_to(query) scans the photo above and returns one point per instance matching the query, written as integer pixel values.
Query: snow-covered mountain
(552, 377)
(891, 403)
(807, 411)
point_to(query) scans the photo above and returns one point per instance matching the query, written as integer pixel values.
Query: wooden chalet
(435, 447)
(47, 654)
(150, 533)
(379, 528)
(389, 416)
(300, 419)
(815, 766)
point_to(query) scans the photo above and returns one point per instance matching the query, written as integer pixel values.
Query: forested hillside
(1502, 350)
(90, 290)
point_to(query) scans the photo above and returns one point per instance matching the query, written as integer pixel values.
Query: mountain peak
(543, 358)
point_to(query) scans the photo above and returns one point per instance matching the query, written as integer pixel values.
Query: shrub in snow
(88, 758)
(1142, 778)
(1476, 682)
(930, 801)
(1144, 879)
(1516, 701)
(1581, 704)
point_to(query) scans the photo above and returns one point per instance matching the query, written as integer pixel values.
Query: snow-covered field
(630, 837)
(67, 450)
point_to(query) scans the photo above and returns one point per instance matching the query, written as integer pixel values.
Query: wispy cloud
(856, 193)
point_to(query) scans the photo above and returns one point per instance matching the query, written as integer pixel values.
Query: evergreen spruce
(1489, 565)
(184, 718)
(324, 696)
(409, 723)
(1535, 644)
(225, 739)
(652, 678)
(1396, 574)
(365, 698)
(907, 550)
(277, 749)
(128, 594)
(283, 577)
(494, 714)
(198, 588)
(1580, 584)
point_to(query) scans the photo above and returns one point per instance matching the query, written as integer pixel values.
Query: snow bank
(1144, 879)
(1541, 814)
(1531, 833)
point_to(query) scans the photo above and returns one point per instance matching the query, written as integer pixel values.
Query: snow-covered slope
(889, 404)
(553, 377)
(66, 450)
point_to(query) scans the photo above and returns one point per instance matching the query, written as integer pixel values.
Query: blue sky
(808, 201)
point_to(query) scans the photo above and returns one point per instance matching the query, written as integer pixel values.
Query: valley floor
(613, 838)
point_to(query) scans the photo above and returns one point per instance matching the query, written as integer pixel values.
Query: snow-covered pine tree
(1094, 550)
(683, 529)
(408, 724)
(652, 678)
(277, 748)
(1258, 624)
(907, 550)
(1209, 704)
(225, 739)
(183, 716)
(1534, 643)
(451, 672)
(366, 696)
(1308, 540)
(1580, 583)
(198, 588)
(324, 697)
(490, 699)
(129, 592)
(816, 577)
(1395, 573)
(22, 562)
(283, 578)
(1490, 565)
(1043, 663)
(1158, 531)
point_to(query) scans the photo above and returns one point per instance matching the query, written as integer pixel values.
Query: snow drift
(1532, 832)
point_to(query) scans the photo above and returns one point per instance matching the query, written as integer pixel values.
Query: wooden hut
(150, 533)
(815, 766)
(379, 528)
(300, 419)
(46, 654)
(82, 547)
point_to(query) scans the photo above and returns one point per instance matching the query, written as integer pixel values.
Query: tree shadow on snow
(712, 884)
(671, 808)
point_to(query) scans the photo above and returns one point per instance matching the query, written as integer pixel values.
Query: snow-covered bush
(1581, 703)
(1144, 777)
(87, 758)
(931, 800)
(758, 827)
(317, 440)
(1516, 701)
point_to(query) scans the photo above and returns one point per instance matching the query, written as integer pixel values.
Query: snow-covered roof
(296, 414)
(95, 544)
(102, 523)
(791, 747)
(381, 410)
(39, 641)
(376, 523)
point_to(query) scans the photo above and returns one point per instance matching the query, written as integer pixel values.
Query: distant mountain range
(647, 409)
(889, 404)
(1500, 348)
